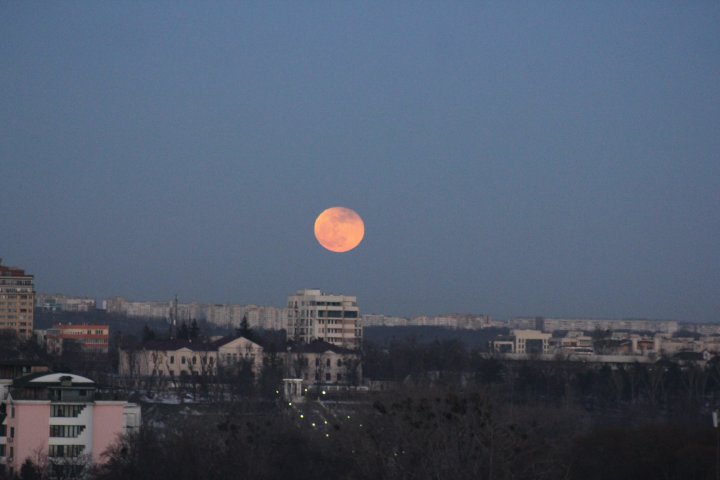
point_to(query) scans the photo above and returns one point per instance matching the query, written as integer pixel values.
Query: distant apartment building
(64, 303)
(17, 300)
(230, 315)
(549, 324)
(314, 315)
(454, 320)
(225, 315)
(379, 320)
(702, 328)
(119, 305)
(86, 338)
(62, 417)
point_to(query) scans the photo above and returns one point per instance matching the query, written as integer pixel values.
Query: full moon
(339, 229)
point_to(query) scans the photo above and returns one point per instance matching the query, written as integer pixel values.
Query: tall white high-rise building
(314, 315)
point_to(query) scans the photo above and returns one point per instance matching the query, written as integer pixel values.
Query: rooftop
(171, 345)
(45, 379)
(319, 346)
(12, 272)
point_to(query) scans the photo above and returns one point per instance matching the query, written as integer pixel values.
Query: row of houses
(312, 363)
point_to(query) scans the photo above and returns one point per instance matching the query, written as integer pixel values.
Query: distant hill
(471, 338)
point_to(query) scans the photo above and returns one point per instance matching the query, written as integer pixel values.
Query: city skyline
(555, 160)
(194, 309)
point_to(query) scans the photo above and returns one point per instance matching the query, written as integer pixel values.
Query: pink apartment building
(62, 419)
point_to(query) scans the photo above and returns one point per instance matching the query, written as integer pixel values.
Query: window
(66, 410)
(327, 362)
(65, 450)
(172, 358)
(66, 431)
(182, 360)
(339, 377)
(339, 363)
(328, 377)
(12, 432)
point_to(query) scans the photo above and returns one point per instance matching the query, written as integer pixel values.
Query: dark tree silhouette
(148, 334)
(183, 332)
(244, 330)
(194, 331)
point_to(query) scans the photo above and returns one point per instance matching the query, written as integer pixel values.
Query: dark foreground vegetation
(415, 434)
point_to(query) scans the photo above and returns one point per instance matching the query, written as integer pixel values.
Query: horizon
(99, 300)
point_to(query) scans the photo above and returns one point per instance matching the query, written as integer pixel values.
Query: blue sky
(511, 158)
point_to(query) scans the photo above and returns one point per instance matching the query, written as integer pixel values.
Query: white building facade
(314, 315)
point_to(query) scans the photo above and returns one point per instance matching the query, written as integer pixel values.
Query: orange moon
(339, 229)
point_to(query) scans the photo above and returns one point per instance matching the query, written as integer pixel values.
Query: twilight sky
(511, 158)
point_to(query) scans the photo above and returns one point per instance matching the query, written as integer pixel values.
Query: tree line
(418, 434)
(664, 387)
